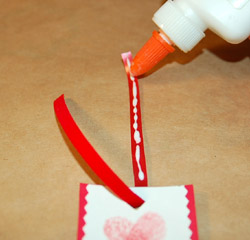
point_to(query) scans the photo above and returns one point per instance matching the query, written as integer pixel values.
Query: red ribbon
(92, 158)
(137, 147)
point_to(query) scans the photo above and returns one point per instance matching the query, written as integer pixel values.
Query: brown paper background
(195, 113)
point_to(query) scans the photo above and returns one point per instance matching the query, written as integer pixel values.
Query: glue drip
(137, 135)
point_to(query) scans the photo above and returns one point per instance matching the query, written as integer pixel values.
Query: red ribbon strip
(92, 158)
(137, 146)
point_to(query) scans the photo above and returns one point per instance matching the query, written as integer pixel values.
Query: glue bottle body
(184, 22)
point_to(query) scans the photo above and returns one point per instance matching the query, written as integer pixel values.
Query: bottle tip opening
(155, 49)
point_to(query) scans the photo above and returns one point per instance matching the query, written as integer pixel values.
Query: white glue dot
(136, 117)
(137, 136)
(137, 157)
(128, 63)
(135, 101)
(141, 175)
(135, 126)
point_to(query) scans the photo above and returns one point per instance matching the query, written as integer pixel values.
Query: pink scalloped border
(192, 214)
(82, 211)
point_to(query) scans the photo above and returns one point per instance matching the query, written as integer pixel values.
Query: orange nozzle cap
(155, 49)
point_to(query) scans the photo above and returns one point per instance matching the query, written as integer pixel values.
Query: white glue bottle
(183, 22)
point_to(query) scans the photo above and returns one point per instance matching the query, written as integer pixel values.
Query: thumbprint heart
(117, 228)
(150, 226)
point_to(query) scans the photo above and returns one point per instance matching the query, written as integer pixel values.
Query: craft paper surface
(164, 215)
(196, 118)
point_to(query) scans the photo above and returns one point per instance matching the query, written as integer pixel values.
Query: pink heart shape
(150, 226)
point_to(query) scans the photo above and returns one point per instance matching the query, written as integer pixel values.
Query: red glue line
(137, 146)
(92, 158)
